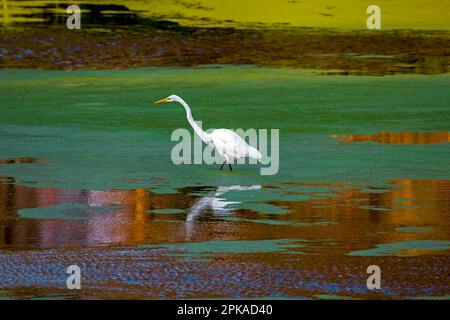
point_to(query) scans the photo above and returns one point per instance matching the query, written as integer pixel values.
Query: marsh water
(87, 179)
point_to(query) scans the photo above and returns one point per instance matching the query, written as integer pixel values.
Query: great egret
(228, 143)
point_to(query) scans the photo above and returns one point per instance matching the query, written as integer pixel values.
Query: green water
(236, 246)
(76, 211)
(100, 130)
(167, 211)
(413, 229)
(99, 185)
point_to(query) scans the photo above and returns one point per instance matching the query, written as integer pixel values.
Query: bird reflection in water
(109, 216)
(214, 202)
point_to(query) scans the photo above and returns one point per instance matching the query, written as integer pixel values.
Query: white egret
(227, 143)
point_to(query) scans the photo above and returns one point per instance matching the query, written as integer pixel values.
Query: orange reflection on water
(396, 137)
(365, 217)
(20, 160)
(112, 216)
(356, 217)
(124, 217)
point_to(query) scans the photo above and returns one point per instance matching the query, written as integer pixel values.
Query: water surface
(87, 180)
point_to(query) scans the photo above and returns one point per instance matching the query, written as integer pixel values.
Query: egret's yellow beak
(162, 100)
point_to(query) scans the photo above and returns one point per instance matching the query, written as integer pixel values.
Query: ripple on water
(66, 211)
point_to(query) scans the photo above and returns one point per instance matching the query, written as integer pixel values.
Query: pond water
(87, 179)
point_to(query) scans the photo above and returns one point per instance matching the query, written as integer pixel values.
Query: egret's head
(171, 98)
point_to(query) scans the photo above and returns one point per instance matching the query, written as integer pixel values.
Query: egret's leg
(231, 169)
(222, 165)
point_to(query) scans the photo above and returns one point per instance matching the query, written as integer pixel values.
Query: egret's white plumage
(227, 143)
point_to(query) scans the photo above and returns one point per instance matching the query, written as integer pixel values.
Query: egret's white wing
(229, 143)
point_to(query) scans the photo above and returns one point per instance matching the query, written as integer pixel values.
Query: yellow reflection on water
(348, 14)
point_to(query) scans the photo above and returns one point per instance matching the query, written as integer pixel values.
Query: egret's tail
(253, 153)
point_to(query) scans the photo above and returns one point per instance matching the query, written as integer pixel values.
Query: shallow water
(397, 137)
(87, 180)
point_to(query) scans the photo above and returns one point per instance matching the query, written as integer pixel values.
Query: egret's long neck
(199, 131)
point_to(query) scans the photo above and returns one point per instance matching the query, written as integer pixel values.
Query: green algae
(412, 229)
(234, 246)
(67, 211)
(167, 211)
(279, 222)
(399, 248)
